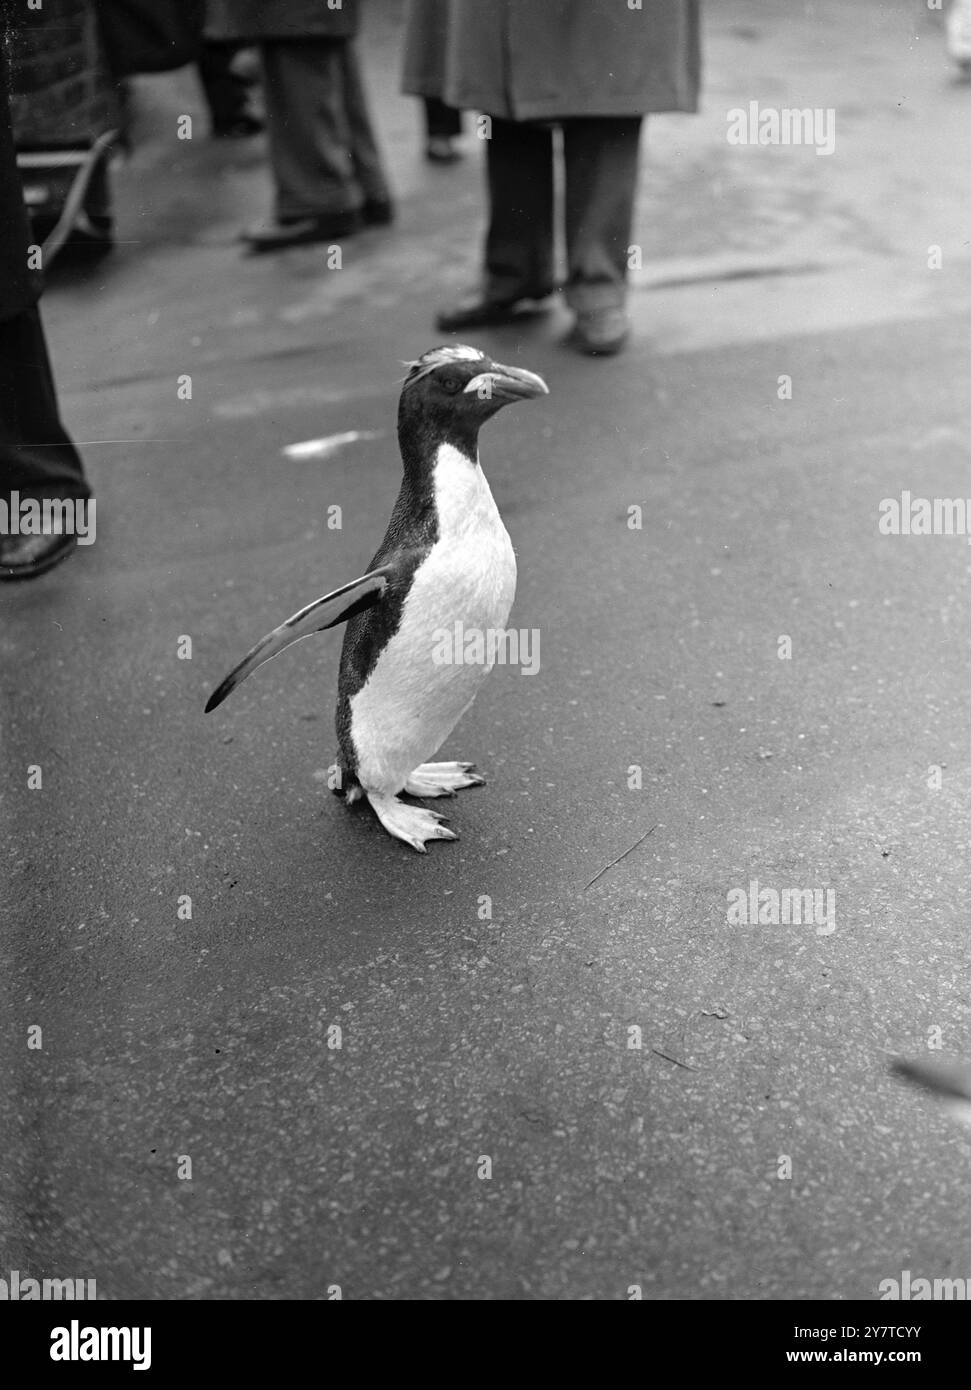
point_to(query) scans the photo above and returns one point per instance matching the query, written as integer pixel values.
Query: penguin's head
(451, 391)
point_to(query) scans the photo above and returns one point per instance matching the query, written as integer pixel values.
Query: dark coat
(426, 28)
(252, 20)
(19, 287)
(546, 59)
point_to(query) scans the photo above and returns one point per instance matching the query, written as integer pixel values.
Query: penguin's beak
(507, 384)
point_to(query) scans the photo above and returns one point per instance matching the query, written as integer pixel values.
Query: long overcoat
(19, 285)
(252, 20)
(547, 59)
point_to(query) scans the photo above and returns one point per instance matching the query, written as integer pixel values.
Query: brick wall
(62, 93)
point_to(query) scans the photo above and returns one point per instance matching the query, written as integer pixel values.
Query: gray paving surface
(464, 1037)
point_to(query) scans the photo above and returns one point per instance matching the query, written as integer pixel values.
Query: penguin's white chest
(423, 682)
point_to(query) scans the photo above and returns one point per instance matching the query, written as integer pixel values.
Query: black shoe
(600, 332)
(378, 212)
(442, 149)
(24, 557)
(480, 311)
(277, 236)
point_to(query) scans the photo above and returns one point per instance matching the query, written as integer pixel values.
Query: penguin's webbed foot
(442, 779)
(413, 824)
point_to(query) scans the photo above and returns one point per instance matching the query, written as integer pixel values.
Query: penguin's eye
(451, 384)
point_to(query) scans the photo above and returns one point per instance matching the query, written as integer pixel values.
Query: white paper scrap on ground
(323, 448)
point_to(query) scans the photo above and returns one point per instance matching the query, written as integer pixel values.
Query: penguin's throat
(421, 438)
(463, 499)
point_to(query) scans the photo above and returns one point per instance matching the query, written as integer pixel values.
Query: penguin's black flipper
(325, 612)
(949, 1081)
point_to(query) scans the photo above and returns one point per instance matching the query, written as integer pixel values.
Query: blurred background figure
(328, 175)
(443, 126)
(959, 34)
(592, 67)
(425, 27)
(37, 457)
(228, 80)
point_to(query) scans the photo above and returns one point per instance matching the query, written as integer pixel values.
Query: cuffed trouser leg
(368, 166)
(226, 94)
(519, 242)
(308, 127)
(601, 156)
(441, 121)
(37, 456)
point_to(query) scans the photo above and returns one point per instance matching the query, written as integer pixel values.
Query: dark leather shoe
(278, 236)
(479, 311)
(24, 557)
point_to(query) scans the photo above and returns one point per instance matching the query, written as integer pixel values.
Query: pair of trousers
(37, 456)
(227, 95)
(601, 163)
(441, 120)
(322, 148)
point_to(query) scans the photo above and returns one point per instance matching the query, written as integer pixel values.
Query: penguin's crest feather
(441, 357)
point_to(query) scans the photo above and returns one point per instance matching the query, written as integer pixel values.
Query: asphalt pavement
(543, 1086)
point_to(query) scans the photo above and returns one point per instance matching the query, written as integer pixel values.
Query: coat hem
(546, 111)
